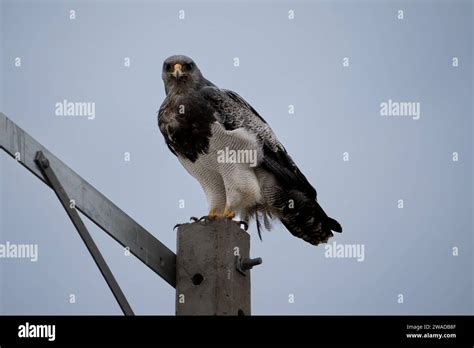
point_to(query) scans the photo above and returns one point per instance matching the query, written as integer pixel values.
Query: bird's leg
(213, 214)
(228, 214)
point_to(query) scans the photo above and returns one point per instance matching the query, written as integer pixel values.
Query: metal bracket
(243, 264)
(49, 174)
(90, 202)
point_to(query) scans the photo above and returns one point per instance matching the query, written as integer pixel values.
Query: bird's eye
(188, 66)
(167, 66)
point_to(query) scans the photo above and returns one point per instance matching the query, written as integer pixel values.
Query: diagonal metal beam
(91, 202)
(43, 163)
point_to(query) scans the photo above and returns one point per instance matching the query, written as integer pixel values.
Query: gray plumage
(200, 122)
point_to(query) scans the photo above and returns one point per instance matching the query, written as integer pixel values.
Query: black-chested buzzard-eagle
(229, 148)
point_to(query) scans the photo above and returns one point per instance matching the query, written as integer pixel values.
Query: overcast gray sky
(361, 162)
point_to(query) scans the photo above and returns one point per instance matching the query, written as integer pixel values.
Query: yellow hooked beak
(177, 72)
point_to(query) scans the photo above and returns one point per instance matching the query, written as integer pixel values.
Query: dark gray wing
(234, 112)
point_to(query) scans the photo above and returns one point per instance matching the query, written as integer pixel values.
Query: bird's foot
(176, 226)
(193, 219)
(204, 218)
(243, 224)
(214, 215)
(209, 217)
(228, 214)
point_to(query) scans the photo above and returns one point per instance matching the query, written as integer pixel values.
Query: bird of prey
(223, 142)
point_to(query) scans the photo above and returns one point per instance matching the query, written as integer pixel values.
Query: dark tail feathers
(306, 219)
(333, 225)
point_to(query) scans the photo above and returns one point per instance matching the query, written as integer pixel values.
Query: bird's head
(180, 74)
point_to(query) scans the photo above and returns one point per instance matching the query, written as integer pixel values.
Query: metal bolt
(41, 160)
(248, 263)
(245, 263)
(44, 163)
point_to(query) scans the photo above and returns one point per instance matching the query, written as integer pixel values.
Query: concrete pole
(213, 269)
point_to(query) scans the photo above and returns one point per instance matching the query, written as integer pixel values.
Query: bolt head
(44, 163)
